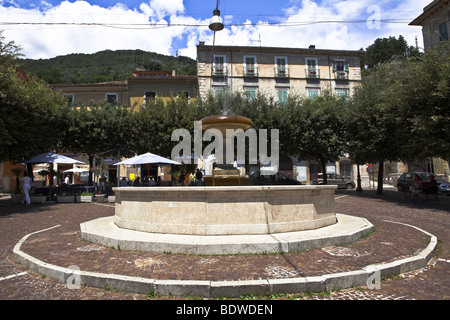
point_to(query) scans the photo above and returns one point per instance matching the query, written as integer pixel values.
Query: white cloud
(44, 41)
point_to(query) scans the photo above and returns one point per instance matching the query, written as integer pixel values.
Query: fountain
(226, 174)
(224, 217)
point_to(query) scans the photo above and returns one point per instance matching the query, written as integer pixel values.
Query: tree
(32, 115)
(323, 133)
(374, 132)
(99, 128)
(383, 49)
(423, 89)
(401, 111)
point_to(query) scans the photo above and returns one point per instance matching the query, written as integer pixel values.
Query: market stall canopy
(51, 157)
(148, 158)
(75, 170)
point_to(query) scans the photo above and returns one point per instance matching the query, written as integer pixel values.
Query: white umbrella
(51, 158)
(147, 158)
(76, 170)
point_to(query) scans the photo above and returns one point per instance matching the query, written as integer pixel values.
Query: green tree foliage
(31, 114)
(104, 66)
(383, 49)
(423, 91)
(99, 129)
(401, 111)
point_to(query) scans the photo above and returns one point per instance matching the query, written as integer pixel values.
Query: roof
(278, 50)
(94, 84)
(429, 12)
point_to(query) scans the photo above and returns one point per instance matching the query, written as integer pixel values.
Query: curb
(103, 231)
(213, 289)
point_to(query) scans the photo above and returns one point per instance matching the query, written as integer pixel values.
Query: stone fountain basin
(227, 210)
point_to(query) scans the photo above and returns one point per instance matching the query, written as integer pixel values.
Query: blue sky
(49, 28)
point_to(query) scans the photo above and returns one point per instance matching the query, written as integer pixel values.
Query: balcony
(341, 75)
(250, 71)
(312, 73)
(281, 72)
(219, 70)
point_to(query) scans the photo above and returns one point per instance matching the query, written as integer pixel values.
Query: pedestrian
(27, 184)
(123, 182)
(430, 187)
(416, 187)
(198, 177)
(67, 180)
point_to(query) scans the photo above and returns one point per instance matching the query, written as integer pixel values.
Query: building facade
(435, 23)
(277, 72)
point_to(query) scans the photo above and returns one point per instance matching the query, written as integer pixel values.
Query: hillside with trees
(103, 66)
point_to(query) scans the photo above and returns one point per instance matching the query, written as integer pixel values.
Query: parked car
(405, 180)
(334, 179)
(279, 178)
(444, 188)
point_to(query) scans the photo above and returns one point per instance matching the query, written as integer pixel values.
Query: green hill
(104, 66)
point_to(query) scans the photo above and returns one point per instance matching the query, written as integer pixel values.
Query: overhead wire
(197, 25)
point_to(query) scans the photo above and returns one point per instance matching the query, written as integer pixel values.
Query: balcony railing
(219, 70)
(281, 71)
(312, 73)
(341, 75)
(250, 71)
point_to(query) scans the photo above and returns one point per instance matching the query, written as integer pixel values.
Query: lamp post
(216, 21)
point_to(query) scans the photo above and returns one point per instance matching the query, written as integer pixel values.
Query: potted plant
(65, 197)
(100, 198)
(39, 198)
(86, 197)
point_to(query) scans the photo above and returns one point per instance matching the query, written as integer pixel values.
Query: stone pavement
(391, 214)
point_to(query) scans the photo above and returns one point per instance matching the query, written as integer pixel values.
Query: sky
(46, 29)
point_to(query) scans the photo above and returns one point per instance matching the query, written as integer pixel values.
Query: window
(219, 65)
(219, 92)
(112, 98)
(282, 96)
(443, 32)
(183, 94)
(149, 97)
(70, 98)
(250, 67)
(312, 70)
(250, 94)
(340, 69)
(343, 93)
(281, 67)
(313, 93)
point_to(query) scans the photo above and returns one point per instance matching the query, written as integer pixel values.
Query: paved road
(432, 282)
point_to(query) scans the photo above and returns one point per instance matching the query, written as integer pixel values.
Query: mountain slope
(103, 66)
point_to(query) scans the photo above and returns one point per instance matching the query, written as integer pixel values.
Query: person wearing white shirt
(26, 183)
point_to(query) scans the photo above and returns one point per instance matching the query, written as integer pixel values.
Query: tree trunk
(380, 177)
(91, 162)
(324, 170)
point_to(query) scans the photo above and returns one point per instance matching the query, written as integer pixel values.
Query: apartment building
(435, 23)
(140, 88)
(277, 72)
(145, 87)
